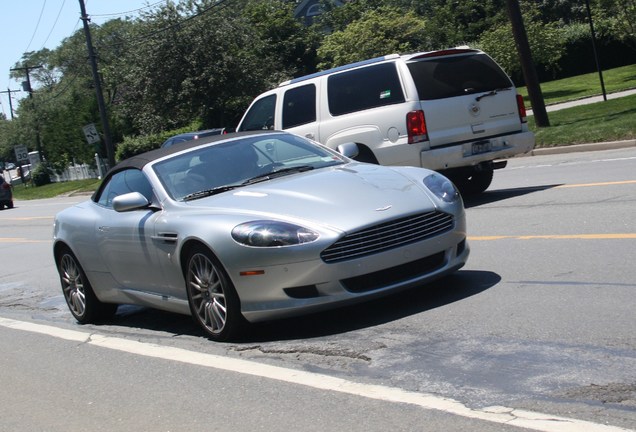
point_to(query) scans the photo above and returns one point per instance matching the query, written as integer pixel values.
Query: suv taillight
(522, 109)
(416, 126)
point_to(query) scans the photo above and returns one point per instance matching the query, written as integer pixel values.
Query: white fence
(76, 172)
(72, 172)
(82, 171)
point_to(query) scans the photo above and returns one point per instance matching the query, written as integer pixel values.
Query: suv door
(260, 115)
(299, 111)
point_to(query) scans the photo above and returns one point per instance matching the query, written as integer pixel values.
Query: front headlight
(266, 233)
(442, 187)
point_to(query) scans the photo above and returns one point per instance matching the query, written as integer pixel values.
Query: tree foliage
(377, 32)
(546, 40)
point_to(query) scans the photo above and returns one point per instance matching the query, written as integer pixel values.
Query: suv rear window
(364, 88)
(443, 77)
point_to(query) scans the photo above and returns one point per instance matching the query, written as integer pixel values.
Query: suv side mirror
(349, 150)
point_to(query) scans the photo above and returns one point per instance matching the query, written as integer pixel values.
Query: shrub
(132, 146)
(40, 175)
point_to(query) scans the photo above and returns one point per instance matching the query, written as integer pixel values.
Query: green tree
(617, 17)
(377, 32)
(547, 43)
(201, 62)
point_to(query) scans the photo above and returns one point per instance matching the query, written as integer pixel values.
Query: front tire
(214, 303)
(78, 292)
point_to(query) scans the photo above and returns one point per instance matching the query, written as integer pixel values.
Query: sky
(31, 25)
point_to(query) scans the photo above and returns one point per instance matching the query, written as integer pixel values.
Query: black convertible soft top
(142, 159)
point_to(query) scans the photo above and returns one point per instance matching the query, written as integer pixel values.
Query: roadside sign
(21, 153)
(91, 134)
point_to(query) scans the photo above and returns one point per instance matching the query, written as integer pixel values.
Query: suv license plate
(481, 147)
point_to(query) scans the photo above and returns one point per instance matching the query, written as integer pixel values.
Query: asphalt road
(541, 321)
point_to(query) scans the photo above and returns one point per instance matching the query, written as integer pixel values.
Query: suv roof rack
(444, 52)
(340, 68)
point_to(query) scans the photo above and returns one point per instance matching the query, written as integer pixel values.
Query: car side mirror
(349, 150)
(130, 201)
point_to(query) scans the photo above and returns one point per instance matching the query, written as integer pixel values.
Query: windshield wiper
(491, 93)
(210, 192)
(257, 179)
(277, 173)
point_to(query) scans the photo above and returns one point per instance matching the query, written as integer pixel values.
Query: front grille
(394, 275)
(388, 235)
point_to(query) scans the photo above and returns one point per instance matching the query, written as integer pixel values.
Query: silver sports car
(253, 226)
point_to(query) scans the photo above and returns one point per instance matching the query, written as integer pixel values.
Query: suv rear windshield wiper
(210, 192)
(491, 93)
(277, 173)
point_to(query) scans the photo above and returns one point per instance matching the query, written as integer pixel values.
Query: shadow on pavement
(455, 287)
(491, 196)
(450, 289)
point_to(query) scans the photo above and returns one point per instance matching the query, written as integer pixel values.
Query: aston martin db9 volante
(253, 226)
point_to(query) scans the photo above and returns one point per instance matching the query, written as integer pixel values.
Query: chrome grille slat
(388, 235)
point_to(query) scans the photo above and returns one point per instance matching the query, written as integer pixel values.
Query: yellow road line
(556, 237)
(596, 184)
(21, 240)
(26, 218)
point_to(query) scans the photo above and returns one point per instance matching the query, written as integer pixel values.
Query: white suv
(454, 111)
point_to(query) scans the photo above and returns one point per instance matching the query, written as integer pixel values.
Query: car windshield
(217, 168)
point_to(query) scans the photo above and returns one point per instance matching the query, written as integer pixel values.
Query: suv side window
(299, 106)
(261, 114)
(444, 77)
(364, 88)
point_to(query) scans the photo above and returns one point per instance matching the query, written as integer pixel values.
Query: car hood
(341, 197)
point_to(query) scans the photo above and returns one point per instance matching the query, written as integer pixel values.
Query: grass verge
(22, 192)
(586, 85)
(612, 120)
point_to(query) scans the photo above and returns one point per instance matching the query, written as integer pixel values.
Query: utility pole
(27, 69)
(9, 91)
(529, 72)
(110, 150)
(596, 59)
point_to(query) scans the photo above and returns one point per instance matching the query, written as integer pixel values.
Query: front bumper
(311, 286)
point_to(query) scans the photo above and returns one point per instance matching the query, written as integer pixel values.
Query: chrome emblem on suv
(474, 109)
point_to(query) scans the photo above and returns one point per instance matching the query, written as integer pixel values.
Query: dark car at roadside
(6, 194)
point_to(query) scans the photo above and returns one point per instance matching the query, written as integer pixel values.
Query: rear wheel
(473, 183)
(214, 303)
(78, 293)
(480, 181)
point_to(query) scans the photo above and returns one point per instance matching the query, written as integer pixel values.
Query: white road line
(502, 415)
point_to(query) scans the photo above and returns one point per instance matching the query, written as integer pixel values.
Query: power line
(143, 38)
(36, 27)
(128, 12)
(54, 24)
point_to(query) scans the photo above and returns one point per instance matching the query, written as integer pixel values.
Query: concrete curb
(610, 145)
